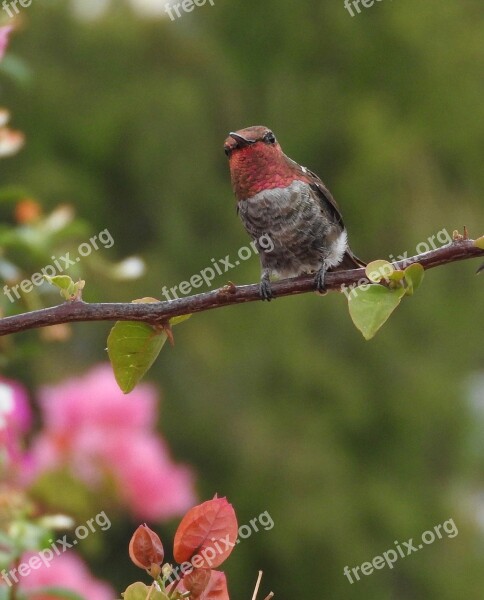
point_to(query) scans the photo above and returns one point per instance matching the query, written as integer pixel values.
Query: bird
(289, 204)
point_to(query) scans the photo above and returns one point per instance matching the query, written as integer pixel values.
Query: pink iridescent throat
(260, 167)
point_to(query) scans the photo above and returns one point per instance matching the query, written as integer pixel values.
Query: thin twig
(257, 585)
(228, 295)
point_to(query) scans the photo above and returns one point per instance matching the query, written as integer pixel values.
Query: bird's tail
(350, 261)
(481, 268)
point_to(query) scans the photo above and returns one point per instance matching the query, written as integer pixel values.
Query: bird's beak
(241, 140)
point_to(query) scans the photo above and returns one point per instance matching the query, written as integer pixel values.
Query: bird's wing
(328, 204)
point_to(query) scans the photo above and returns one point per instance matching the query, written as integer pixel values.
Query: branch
(76, 311)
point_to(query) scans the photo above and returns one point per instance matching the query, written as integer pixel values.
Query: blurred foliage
(349, 445)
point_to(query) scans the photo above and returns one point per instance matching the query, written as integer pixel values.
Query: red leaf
(216, 588)
(207, 534)
(196, 581)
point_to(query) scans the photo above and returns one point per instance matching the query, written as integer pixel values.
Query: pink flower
(96, 431)
(149, 482)
(4, 35)
(64, 571)
(15, 418)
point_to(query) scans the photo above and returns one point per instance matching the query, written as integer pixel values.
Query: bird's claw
(265, 290)
(319, 280)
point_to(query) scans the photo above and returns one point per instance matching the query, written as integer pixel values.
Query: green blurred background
(283, 407)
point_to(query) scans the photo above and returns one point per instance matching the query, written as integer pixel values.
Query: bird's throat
(254, 170)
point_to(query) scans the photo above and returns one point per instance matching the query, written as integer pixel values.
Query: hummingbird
(280, 199)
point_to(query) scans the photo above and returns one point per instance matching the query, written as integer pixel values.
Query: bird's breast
(279, 209)
(300, 230)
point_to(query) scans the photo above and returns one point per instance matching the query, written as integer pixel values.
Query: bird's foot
(319, 280)
(265, 290)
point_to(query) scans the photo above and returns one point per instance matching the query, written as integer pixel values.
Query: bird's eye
(269, 138)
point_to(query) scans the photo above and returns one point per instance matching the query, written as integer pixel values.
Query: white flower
(6, 404)
(130, 268)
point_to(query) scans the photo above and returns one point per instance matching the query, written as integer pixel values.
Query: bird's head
(251, 141)
(256, 161)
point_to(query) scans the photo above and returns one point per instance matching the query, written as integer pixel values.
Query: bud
(145, 548)
(154, 571)
(166, 570)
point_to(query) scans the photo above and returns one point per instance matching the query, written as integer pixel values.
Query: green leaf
(27, 536)
(180, 319)
(54, 592)
(68, 289)
(371, 305)
(62, 488)
(132, 348)
(413, 276)
(479, 243)
(4, 593)
(16, 68)
(378, 270)
(63, 282)
(12, 194)
(397, 276)
(140, 591)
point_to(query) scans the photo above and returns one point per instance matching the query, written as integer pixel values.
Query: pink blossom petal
(4, 35)
(15, 418)
(68, 571)
(159, 489)
(97, 432)
(95, 399)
